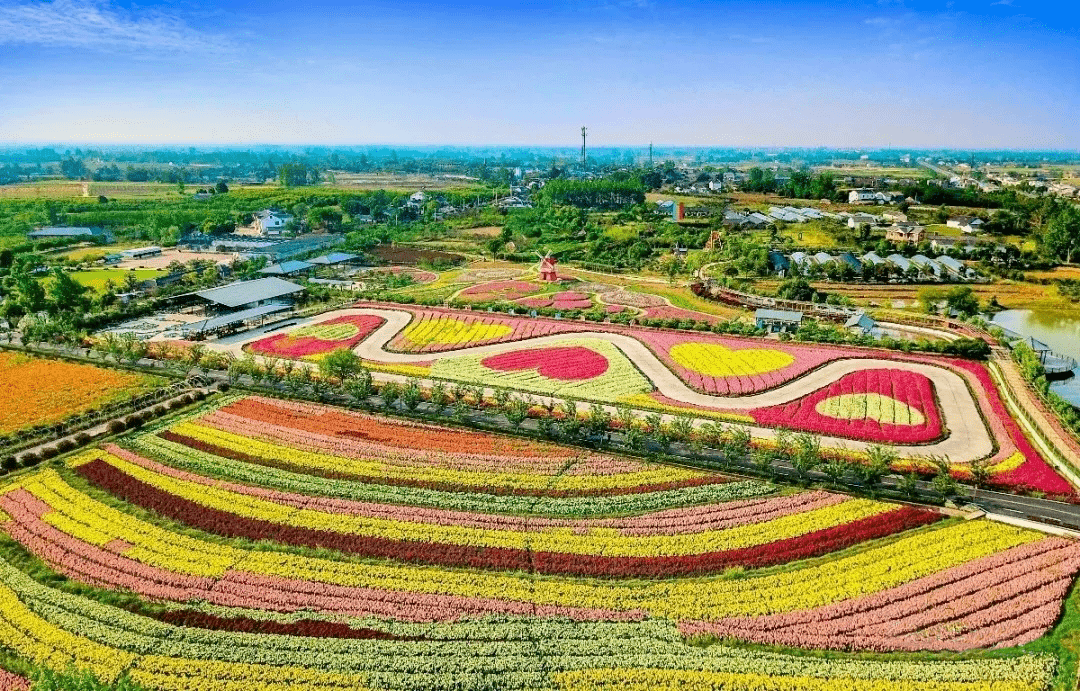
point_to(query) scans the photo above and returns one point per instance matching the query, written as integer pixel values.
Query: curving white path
(968, 438)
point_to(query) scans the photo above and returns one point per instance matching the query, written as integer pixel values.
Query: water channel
(1059, 329)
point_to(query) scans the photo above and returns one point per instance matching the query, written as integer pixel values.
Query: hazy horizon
(961, 75)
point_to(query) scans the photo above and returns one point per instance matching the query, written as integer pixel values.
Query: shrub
(159, 410)
(223, 386)
(188, 399)
(65, 445)
(116, 426)
(9, 463)
(176, 404)
(82, 439)
(200, 395)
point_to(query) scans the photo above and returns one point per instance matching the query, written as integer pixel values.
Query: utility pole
(583, 147)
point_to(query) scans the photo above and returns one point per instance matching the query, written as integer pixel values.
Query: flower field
(920, 403)
(317, 339)
(581, 368)
(500, 290)
(283, 545)
(883, 405)
(36, 391)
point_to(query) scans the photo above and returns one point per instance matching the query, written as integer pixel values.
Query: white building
(271, 222)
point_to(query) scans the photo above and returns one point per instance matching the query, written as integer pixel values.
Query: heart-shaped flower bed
(566, 363)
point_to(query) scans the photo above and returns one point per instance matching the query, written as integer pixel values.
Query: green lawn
(95, 279)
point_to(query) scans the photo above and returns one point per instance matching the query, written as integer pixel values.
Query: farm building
(856, 220)
(291, 267)
(779, 263)
(899, 261)
(777, 321)
(141, 252)
(862, 323)
(244, 295)
(334, 259)
(924, 262)
(850, 259)
(53, 232)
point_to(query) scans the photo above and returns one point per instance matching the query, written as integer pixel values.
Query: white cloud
(97, 24)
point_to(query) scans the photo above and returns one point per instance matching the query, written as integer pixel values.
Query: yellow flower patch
(870, 406)
(714, 360)
(449, 331)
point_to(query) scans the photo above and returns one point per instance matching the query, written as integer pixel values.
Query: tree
(1061, 239)
(390, 393)
(221, 187)
(878, 464)
(807, 454)
(341, 364)
(66, 294)
(962, 300)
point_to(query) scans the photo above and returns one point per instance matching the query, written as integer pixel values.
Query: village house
(967, 224)
(272, 222)
(905, 233)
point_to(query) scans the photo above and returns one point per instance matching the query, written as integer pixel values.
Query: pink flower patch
(614, 309)
(569, 363)
(572, 304)
(535, 302)
(281, 345)
(909, 388)
(500, 290)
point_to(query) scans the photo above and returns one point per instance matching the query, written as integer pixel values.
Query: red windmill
(546, 267)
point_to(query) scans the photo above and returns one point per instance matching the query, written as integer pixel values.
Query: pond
(1059, 329)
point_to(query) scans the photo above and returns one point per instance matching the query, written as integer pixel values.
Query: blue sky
(989, 74)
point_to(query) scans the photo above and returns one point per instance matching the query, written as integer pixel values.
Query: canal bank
(1058, 329)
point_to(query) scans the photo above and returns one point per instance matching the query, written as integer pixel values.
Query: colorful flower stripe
(40, 623)
(431, 325)
(684, 520)
(256, 518)
(636, 500)
(537, 559)
(104, 568)
(619, 380)
(1036, 473)
(662, 679)
(500, 290)
(403, 476)
(318, 339)
(739, 382)
(871, 570)
(978, 604)
(908, 389)
(366, 436)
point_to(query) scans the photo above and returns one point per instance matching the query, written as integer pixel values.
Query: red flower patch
(281, 345)
(571, 363)
(912, 389)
